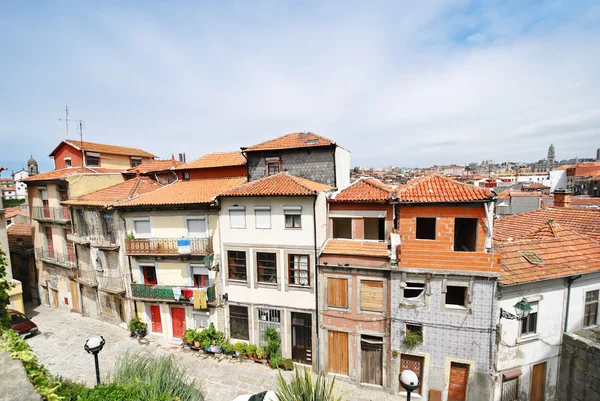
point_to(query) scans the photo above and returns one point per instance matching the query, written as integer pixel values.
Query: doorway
(178, 321)
(302, 337)
(54, 298)
(538, 382)
(155, 318)
(459, 376)
(338, 353)
(414, 363)
(75, 296)
(371, 366)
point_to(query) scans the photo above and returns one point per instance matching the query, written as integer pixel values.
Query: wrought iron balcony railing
(112, 284)
(57, 258)
(87, 275)
(165, 292)
(56, 214)
(169, 246)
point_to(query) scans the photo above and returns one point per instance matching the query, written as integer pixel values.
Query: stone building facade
(579, 376)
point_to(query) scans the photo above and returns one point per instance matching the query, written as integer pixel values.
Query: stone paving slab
(59, 346)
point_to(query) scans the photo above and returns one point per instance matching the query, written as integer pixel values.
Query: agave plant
(304, 387)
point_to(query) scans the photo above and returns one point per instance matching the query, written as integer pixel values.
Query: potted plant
(275, 360)
(261, 353)
(198, 338)
(239, 348)
(133, 325)
(251, 351)
(288, 364)
(273, 342)
(141, 330)
(217, 340)
(228, 348)
(412, 339)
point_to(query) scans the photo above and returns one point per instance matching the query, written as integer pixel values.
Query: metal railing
(88, 275)
(168, 246)
(51, 213)
(111, 283)
(147, 291)
(61, 259)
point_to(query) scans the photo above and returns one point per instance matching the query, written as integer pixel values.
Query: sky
(398, 83)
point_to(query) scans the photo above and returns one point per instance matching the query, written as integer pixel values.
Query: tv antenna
(66, 120)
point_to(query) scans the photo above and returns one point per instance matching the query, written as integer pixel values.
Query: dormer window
(135, 161)
(273, 165)
(68, 162)
(92, 159)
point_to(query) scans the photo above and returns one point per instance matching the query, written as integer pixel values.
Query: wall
(108, 160)
(82, 184)
(522, 204)
(66, 151)
(315, 164)
(359, 211)
(579, 377)
(342, 167)
(217, 172)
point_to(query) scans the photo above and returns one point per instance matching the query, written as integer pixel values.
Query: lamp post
(522, 309)
(410, 381)
(93, 346)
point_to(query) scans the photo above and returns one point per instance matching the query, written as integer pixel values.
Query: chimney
(181, 157)
(562, 198)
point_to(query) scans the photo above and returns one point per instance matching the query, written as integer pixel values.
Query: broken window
(375, 228)
(456, 295)
(426, 227)
(465, 234)
(342, 227)
(413, 290)
(414, 328)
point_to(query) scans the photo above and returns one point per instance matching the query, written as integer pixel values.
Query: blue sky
(398, 83)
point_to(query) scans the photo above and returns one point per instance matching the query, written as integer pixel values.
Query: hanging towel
(188, 293)
(197, 298)
(203, 299)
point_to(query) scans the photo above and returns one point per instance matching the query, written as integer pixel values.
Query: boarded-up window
(337, 292)
(371, 295)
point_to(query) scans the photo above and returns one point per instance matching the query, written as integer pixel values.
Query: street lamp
(93, 346)
(410, 381)
(522, 309)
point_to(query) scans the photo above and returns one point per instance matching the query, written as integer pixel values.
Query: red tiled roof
(104, 148)
(292, 141)
(155, 166)
(575, 201)
(282, 184)
(66, 172)
(19, 231)
(356, 247)
(127, 190)
(14, 211)
(562, 252)
(583, 221)
(436, 188)
(365, 189)
(186, 192)
(508, 193)
(536, 186)
(216, 159)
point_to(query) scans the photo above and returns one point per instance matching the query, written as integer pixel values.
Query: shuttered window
(196, 227)
(337, 292)
(263, 216)
(142, 228)
(371, 295)
(237, 218)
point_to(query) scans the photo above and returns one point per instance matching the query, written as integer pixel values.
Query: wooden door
(338, 352)
(538, 382)
(302, 337)
(457, 388)
(155, 317)
(70, 246)
(178, 321)
(75, 296)
(371, 364)
(54, 298)
(414, 363)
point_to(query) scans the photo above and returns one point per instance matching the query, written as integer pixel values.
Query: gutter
(129, 265)
(316, 276)
(569, 283)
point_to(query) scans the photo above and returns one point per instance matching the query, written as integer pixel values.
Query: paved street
(59, 346)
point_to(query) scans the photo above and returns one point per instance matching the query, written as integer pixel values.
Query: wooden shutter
(338, 353)
(337, 292)
(371, 295)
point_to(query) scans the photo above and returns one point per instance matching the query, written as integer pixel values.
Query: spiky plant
(304, 387)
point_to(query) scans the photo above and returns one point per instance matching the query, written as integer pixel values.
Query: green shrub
(122, 392)
(135, 324)
(302, 387)
(239, 347)
(273, 341)
(69, 389)
(5, 286)
(288, 364)
(227, 347)
(261, 352)
(251, 350)
(276, 360)
(412, 339)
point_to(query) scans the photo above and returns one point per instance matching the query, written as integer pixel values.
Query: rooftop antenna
(66, 120)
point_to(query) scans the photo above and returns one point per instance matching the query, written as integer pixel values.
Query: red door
(155, 317)
(63, 197)
(49, 242)
(178, 318)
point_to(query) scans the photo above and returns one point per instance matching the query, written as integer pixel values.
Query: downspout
(316, 276)
(129, 264)
(569, 283)
(335, 168)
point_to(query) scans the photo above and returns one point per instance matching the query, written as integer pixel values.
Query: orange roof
(585, 201)
(155, 166)
(127, 190)
(14, 211)
(436, 188)
(365, 189)
(583, 221)
(506, 194)
(282, 184)
(292, 141)
(186, 192)
(216, 159)
(103, 148)
(19, 231)
(548, 252)
(536, 186)
(356, 247)
(66, 172)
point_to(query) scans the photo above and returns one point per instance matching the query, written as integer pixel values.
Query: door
(75, 296)
(70, 247)
(371, 363)
(64, 197)
(178, 321)
(538, 381)
(302, 337)
(49, 242)
(338, 353)
(457, 388)
(414, 363)
(54, 298)
(155, 317)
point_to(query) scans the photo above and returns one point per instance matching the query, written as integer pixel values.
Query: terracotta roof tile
(365, 189)
(216, 159)
(104, 148)
(186, 192)
(562, 252)
(14, 211)
(66, 172)
(282, 184)
(583, 221)
(436, 188)
(507, 194)
(292, 141)
(155, 166)
(356, 247)
(19, 231)
(576, 201)
(124, 191)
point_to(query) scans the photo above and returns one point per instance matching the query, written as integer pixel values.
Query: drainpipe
(316, 276)
(129, 264)
(569, 283)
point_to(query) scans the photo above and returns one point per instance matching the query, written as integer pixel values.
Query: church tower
(551, 155)
(32, 166)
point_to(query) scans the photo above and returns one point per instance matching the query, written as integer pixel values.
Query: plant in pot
(189, 336)
(261, 353)
(228, 348)
(412, 339)
(275, 360)
(133, 325)
(239, 348)
(251, 351)
(198, 338)
(273, 342)
(217, 340)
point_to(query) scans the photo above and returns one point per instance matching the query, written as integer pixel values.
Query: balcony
(87, 276)
(169, 246)
(52, 214)
(111, 284)
(56, 258)
(163, 292)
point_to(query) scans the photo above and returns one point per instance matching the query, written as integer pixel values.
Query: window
(149, 273)
(342, 227)
(8, 222)
(426, 227)
(200, 275)
(92, 159)
(371, 295)
(196, 227)
(465, 235)
(337, 292)
(135, 161)
(262, 216)
(81, 227)
(299, 270)
(266, 264)
(414, 328)
(529, 324)
(456, 295)
(49, 241)
(238, 322)
(142, 228)
(273, 165)
(293, 216)
(201, 320)
(268, 319)
(510, 389)
(107, 227)
(413, 290)
(591, 308)
(68, 161)
(374, 228)
(237, 217)
(186, 176)
(236, 262)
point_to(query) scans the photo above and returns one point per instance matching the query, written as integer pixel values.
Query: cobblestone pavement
(59, 346)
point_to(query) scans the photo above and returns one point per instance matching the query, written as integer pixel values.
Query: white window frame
(262, 209)
(70, 162)
(237, 209)
(134, 219)
(535, 307)
(185, 222)
(140, 265)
